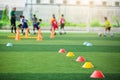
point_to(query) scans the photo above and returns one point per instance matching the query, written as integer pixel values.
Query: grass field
(29, 59)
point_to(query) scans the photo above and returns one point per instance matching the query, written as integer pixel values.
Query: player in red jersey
(54, 24)
(62, 24)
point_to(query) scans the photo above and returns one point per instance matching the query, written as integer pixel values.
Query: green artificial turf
(29, 59)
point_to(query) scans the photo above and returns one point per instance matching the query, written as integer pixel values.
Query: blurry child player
(20, 23)
(62, 24)
(37, 25)
(34, 20)
(13, 20)
(51, 21)
(24, 25)
(54, 24)
(107, 27)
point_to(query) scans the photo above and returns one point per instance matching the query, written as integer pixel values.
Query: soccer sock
(64, 31)
(105, 33)
(111, 34)
(60, 30)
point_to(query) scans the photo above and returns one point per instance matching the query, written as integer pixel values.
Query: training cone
(52, 33)
(39, 37)
(97, 74)
(62, 51)
(9, 44)
(26, 33)
(89, 44)
(39, 31)
(85, 43)
(17, 37)
(80, 59)
(70, 54)
(88, 65)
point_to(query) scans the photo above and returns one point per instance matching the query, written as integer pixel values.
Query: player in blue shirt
(37, 25)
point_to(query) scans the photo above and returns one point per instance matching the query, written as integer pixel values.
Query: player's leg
(11, 29)
(15, 29)
(11, 25)
(109, 29)
(105, 32)
(23, 26)
(61, 29)
(14, 24)
(64, 29)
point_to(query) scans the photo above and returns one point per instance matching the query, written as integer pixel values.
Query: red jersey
(54, 24)
(62, 20)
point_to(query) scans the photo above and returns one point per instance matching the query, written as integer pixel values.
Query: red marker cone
(97, 74)
(62, 51)
(80, 59)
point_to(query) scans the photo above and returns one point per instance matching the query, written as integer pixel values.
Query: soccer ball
(99, 34)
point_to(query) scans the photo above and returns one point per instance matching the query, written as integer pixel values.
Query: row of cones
(79, 59)
(71, 54)
(95, 74)
(39, 37)
(17, 37)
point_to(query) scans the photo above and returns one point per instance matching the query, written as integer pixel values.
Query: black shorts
(13, 22)
(108, 28)
(62, 26)
(37, 27)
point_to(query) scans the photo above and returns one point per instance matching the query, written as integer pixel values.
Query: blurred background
(76, 12)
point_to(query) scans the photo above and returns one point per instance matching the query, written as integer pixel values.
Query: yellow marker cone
(70, 54)
(88, 65)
